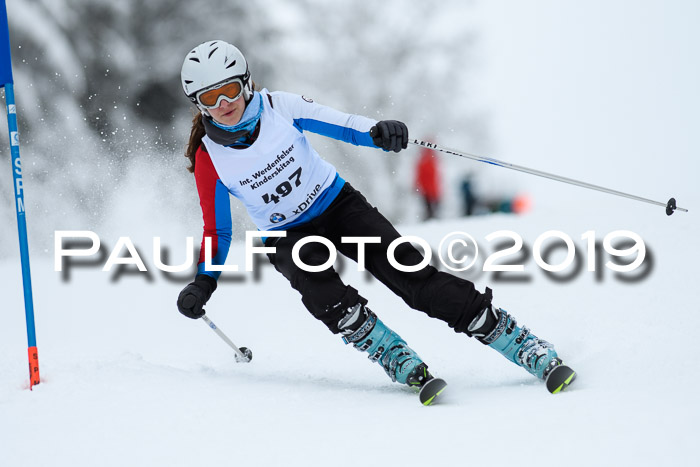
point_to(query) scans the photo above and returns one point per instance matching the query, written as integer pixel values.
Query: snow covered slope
(127, 380)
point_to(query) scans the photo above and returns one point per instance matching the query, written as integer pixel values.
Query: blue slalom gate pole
(6, 81)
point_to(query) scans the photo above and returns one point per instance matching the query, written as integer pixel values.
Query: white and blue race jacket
(280, 178)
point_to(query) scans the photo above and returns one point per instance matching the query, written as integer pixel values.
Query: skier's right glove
(195, 295)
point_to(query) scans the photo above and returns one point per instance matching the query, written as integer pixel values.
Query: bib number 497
(284, 188)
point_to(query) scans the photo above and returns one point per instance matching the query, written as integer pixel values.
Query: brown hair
(196, 135)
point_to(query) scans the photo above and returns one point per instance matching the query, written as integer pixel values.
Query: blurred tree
(98, 84)
(387, 60)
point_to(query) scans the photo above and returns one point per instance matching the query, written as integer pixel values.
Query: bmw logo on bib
(277, 217)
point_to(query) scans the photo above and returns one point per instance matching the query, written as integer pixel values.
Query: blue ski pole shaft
(22, 230)
(6, 82)
(670, 205)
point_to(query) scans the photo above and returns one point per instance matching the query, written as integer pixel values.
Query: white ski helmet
(211, 63)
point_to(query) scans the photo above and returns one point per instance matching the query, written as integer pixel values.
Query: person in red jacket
(428, 181)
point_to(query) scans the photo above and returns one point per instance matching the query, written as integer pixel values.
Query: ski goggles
(230, 91)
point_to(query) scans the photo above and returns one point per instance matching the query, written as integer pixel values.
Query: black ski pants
(438, 294)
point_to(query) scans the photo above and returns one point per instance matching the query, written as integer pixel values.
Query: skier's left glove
(390, 135)
(195, 295)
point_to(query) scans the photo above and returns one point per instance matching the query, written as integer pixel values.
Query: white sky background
(603, 91)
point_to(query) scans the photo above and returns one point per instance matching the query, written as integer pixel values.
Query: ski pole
(670, 205)
(243, 355)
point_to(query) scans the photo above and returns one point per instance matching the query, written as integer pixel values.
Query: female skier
(251, 144)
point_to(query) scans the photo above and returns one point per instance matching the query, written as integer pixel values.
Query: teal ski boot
(361, 327)
(496, 328)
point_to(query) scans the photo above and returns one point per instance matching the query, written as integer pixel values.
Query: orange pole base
(33, 367)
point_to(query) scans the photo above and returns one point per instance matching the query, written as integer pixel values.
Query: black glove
(390, 135)
(195, 296)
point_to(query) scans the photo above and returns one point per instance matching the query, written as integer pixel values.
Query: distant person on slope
(428, 182)
(251, 144)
